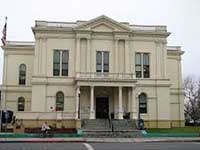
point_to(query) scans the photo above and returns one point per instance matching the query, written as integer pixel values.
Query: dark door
(102, 107)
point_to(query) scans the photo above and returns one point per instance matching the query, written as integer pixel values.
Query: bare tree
(192, 97)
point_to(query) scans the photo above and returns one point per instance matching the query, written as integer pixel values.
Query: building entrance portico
(98, 102)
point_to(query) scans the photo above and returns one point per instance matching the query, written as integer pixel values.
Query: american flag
(3, 39)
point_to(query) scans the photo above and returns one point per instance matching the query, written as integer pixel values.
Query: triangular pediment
(102, 27)
(103, 24)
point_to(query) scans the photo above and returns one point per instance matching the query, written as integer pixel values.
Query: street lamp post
(1, 110)
(139, 115)
(79, 95)
(0, 119)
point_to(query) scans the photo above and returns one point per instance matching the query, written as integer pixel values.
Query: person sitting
(45, 128)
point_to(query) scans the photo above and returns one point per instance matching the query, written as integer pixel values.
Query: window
(106, 62)
(143, 103)
(21, 104)
(102, 61)
(142, 65)
(65, 56)
(22, 74)
(138, 65)
(60, 62)
(99, 62)
(56, 63)
(146, 65)
(60, 101)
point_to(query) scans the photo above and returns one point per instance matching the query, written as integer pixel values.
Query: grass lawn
(191, 129)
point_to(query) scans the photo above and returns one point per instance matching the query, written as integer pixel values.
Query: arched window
(22, 74)
(21, 104)
(60, 101)
(143, 103)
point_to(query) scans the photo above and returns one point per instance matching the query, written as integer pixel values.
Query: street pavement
(100, 140)
(100, 146)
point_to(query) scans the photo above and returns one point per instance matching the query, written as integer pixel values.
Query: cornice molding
(16, 52)
(175, 52)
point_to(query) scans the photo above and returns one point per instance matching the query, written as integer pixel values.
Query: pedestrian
(45, 128)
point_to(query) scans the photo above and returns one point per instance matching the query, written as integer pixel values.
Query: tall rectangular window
(146, 65)
(22, 74)
(138, 65)
(56, 63)
(142, 65)
(65, 57)
(105, 61)
(98, 61)
(102, 61)
(60, 62)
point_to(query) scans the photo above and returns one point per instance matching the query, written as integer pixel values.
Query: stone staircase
(96, 125)
(104, 128)
(124, 125)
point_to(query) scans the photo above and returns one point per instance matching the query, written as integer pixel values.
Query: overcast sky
(182, 18)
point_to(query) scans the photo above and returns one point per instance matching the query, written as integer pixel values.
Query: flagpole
(6, 18)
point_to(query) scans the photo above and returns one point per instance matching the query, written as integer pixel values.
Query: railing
(20, 43)
(45, 115)
(149, 28)
(176, 48)
(154, 28)
(104, 75)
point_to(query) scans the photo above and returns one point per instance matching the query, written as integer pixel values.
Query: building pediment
(103, 24)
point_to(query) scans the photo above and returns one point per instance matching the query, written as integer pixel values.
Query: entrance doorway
(102, 107)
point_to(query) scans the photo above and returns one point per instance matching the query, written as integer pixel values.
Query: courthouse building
(96, 69)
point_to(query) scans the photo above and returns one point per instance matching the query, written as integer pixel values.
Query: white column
(77, 102)
(88, 55)
(120, 110)
(77, 55)
(133, 112)
(116, 56)
(129, 100)
(92, 112)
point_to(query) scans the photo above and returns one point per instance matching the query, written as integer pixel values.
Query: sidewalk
(97, 140)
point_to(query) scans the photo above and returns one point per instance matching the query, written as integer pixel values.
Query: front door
(102, 107)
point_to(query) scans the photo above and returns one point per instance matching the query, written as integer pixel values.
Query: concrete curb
(40, 140)
(97, 140)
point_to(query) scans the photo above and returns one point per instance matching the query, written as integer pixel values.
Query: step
(112, 134)
(97, 124)
(123, 125)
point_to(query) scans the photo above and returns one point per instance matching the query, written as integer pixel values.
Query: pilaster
(88, 58)
(127, 65)
(77, 54)
(116, 65)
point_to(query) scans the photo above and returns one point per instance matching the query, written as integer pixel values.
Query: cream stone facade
(99, 77)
